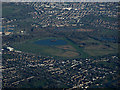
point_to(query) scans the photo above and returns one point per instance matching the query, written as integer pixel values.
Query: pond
(10, 30)
(50, 42)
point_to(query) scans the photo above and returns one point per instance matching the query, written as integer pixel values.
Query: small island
(53, 40)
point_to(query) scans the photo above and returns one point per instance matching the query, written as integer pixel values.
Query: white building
(10, 48)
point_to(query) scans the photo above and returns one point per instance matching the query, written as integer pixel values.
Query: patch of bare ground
(84, 30)
(67, 47)
(69, 54)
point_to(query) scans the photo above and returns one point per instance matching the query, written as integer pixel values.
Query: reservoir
(50, 42)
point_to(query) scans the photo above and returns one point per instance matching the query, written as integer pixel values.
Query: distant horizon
(60, 0)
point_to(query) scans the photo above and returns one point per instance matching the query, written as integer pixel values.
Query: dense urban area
(87, 58)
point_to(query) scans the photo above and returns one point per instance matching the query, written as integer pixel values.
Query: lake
(50, 42)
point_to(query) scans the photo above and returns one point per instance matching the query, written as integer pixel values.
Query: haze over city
(60, 0)
(60, 44)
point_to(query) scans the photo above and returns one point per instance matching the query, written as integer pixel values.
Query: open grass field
(70, 50)
(100, 48)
